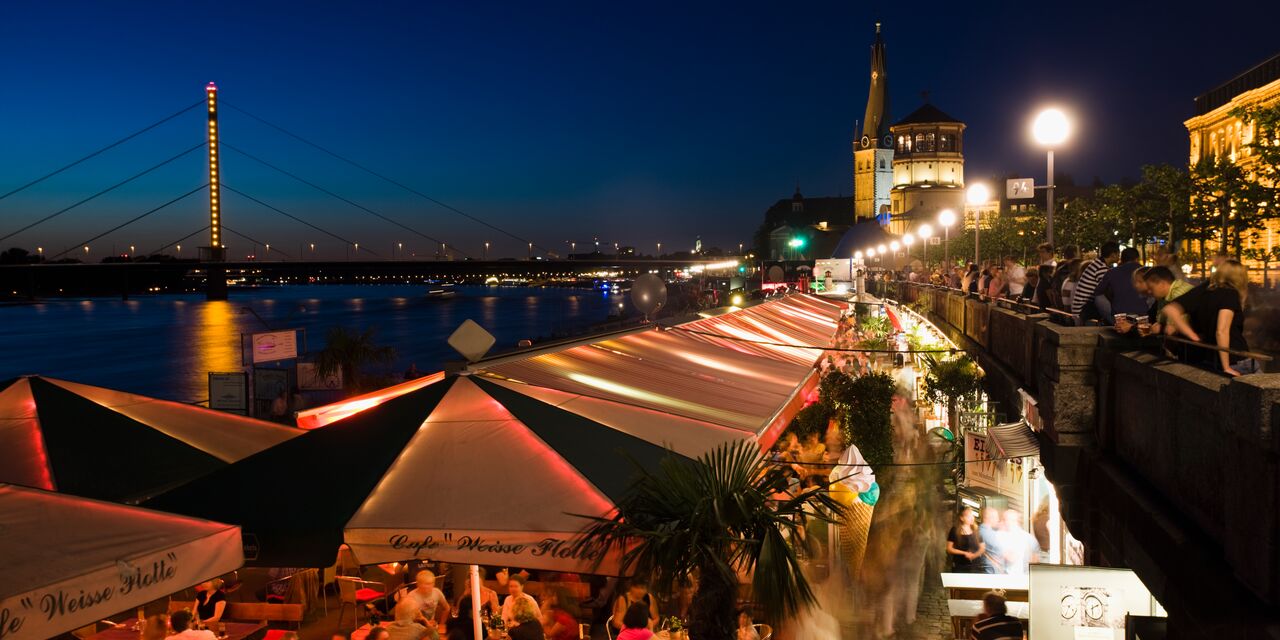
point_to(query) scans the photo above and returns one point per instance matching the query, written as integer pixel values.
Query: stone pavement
(933, 621)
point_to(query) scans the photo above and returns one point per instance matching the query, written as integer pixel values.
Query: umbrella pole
(475, 602)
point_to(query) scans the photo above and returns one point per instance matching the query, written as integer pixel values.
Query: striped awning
(1014, 439)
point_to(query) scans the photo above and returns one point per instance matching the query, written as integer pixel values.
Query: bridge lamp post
(659, 250)
(266, 252)
(131, 251)
(179, 251)
(486, 250)
(946, 218)
(86, 252)
(977, 195)
(529, 255)
(1050, 129)
(40, 251)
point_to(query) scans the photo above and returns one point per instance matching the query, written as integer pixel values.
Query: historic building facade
(928, 167)
(873, 150)
(1215, 133)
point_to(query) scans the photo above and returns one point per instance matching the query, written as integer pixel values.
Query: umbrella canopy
(110, 445)
(463, 469)
(69, 561)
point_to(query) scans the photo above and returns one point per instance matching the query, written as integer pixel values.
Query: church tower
(873, 151)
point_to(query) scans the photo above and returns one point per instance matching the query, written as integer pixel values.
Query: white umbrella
(69, 561)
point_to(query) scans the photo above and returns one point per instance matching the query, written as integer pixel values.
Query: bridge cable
(103, 149)
(265, 244)
(132, 220)
(108, 189)
(179, 240)
(296, 218)
(386, 178)
(339, 197)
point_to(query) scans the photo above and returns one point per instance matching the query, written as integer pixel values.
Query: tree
(717, 516)
(950, 381)
(1263, 158)
(348, 352)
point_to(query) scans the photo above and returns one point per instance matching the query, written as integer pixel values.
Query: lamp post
(486, 250)
(908, 239)
(1050, 129)
(925, 232)
(946, 218)
(977, 195)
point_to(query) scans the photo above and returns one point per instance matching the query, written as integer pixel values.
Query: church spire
(876, 124)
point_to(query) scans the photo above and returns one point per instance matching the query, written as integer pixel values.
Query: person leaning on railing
(1216, 310)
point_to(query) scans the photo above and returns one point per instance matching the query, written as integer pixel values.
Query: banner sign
(229, 391)
(275, 345)
(1019, 188)
(74, 602)
(531, 550)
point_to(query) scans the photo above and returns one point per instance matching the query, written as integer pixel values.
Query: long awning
(1014, 439)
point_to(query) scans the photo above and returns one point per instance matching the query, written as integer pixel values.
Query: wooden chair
(265, 612)
(356, 593)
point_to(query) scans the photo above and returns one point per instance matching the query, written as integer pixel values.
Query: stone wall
(1164, 468)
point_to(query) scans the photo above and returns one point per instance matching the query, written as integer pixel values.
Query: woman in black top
(210, 602)
(1214, 314)
(965, 545)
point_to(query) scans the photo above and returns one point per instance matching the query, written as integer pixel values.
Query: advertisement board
(229, 391)
(1086, 603)
(274, 345)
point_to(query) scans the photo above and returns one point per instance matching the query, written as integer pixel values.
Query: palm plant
(348, 351)
(716, 517)
(951, 381)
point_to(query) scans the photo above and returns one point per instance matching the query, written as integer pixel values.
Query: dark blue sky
(634, 122)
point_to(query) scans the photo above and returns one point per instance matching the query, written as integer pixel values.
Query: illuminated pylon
(215, 195)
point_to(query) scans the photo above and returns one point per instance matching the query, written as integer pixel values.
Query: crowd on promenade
(1111, 287)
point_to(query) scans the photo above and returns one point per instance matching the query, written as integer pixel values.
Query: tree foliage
(717, 516)
(349, 352)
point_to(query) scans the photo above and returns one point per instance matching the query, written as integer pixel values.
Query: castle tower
(928, 167)
(873, 151)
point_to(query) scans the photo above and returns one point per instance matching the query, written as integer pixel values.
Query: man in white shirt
(432, 607)
(515, 587)
(1015, 275)
(181, 622)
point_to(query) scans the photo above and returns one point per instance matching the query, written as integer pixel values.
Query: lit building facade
(1215, 133)
(928, 167)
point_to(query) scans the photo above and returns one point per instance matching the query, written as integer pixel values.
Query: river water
(164, 346)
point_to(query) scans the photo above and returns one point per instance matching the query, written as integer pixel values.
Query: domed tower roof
(926, 114)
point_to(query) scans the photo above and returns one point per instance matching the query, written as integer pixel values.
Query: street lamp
(977, 195)
(179, 251)
(1050, 129)
(659, 249)
(267, 253)
(486, 250)
(925, 232)
(946, 218)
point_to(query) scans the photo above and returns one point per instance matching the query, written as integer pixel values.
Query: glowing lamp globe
(857, 255)
(947, 218)
(908, 239)
(881, 249)
(894, 245)
(978, 194)
(1051, 127)
(925, 231)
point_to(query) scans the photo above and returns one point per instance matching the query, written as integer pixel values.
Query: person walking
(964, 544)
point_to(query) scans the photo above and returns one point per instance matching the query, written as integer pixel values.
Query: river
(164, 346)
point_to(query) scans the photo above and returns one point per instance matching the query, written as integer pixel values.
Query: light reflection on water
(165, 346)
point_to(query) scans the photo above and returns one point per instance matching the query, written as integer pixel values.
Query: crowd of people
(1112, 287)
(998, 545)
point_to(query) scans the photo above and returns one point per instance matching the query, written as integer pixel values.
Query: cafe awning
(68, 561)
(462, 468)
(1014, 439)
(110, 445)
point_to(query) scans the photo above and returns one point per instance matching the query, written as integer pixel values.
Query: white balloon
(648, 294)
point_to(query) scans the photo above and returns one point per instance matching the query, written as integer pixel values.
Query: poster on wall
(1086, 603)
(229, 391)
(274, 345)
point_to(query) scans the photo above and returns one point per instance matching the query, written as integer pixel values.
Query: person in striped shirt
(1082, 303)
(995, 623)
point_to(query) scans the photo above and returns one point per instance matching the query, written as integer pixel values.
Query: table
(363, 631)
(235, 631)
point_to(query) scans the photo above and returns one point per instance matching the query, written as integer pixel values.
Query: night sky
(630, 122)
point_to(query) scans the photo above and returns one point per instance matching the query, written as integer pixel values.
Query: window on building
(946, 143)
(930, 141)
(881, 163)
(920, 142)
